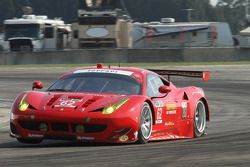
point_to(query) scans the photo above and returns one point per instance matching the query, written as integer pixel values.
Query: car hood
(51, 101)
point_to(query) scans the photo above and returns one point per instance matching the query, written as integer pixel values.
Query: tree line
(231, 11)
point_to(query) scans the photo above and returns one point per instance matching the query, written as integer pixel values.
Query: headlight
(23, 105)
(113, 108)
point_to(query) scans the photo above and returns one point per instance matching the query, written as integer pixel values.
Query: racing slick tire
(146, 123)
(30, 141)
(200, 119)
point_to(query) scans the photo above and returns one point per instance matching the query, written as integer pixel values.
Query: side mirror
(164, 89)
(37, 85)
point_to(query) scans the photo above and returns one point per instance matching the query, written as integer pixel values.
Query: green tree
(233, 12)
(7, 9)
(140, 10)
(154, 10)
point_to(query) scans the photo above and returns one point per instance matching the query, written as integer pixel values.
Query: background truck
(96, 24)
(35, 33)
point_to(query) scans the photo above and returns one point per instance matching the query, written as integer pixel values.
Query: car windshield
(98, 83)
(21, 30)
(98, 4)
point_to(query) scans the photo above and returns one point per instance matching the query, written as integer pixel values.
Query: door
(49, 38)
(167, 109)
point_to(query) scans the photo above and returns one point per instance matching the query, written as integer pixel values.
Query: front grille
(35, 126)
(90, 128)
(59, 127)
(21, 45)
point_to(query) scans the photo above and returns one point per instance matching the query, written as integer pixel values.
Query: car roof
(130, 69)
(99, 67)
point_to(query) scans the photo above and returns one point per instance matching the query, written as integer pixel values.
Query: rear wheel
(146, 122)
(200, 119)
(30, 141)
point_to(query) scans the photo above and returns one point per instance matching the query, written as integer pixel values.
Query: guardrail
(125, 56)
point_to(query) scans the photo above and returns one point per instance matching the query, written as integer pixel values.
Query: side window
(49, 32)
(153, 84)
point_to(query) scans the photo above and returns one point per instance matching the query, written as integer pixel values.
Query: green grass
(131, 64)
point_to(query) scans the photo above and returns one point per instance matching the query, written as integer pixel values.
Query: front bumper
(81, 127)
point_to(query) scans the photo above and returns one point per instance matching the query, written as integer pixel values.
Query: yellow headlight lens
(108, 110)
(23, 105)
(111, 109)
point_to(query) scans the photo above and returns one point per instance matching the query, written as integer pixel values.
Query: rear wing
(205, 75)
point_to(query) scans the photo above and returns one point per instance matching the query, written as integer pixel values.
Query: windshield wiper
(59, 90)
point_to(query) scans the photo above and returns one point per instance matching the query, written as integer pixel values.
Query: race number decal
(66, 102)
(159, 116)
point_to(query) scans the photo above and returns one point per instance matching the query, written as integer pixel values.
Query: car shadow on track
(52, 143)
(65, 144)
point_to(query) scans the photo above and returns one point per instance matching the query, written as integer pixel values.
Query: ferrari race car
(114, 105)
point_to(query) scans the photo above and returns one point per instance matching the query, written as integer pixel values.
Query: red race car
(117, 105)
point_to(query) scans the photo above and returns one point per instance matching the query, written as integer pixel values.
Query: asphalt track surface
(227, 142)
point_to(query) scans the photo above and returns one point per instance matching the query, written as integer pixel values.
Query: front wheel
(200, 119)
(30, 141)
(146, 122)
